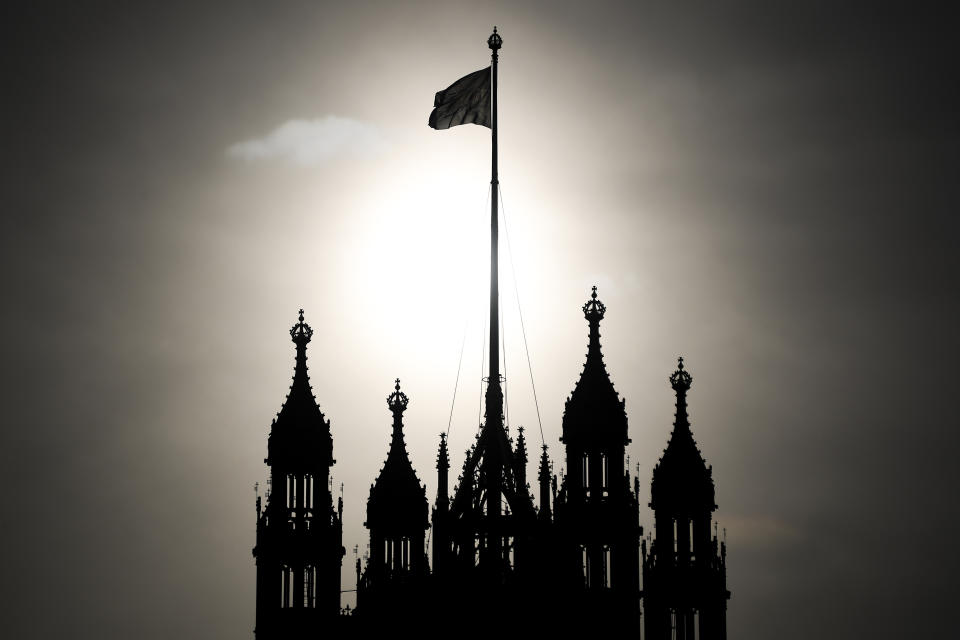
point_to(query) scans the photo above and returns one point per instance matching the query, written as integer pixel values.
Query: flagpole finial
(495, 41)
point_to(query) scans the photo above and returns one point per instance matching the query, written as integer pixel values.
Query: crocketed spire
(520, 460)
(397, 496)
(443, 457)
(300, 424)
(544, 478)
(682, 475)
(595, 409)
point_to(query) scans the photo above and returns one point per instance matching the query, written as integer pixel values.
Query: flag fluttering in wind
(465, 101)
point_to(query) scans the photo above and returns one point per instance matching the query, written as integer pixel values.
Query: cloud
(309, 143)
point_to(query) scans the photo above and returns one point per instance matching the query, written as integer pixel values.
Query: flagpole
(491, 474)
(494, 393)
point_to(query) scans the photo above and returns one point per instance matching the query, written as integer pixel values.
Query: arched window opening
(585, 473)
(605, 473)
(309, 587)
(607, 565)
(585, 565)
(691, 540)
(286, 587)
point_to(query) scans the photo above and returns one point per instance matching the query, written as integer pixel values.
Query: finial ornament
(680, 380)
(495, 41)
(397, 401)
(594, 309)
(301, 332)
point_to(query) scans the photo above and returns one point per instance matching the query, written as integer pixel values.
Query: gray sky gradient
(769, 191)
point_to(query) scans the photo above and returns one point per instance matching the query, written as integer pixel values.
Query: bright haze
(770, 192)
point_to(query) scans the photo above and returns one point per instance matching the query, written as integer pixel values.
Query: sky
(767, 189)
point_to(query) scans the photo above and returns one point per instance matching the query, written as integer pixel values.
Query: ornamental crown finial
(594, 309)
(301, 332)
(495, 41)
(397, 401)
(680, 380)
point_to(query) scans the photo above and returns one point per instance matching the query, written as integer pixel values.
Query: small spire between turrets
(520, 461)
(443, 457)
(397, 494)
(544, 478)
(443, 468)
(681, 475)
(594, 409)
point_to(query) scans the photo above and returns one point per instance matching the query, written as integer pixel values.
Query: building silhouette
(685, 573)
(299, 535)
(566, 564)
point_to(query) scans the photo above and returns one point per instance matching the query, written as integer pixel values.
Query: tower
(684, 576)
(487, 532)
(299, 534)
(596, 512)
(397, 518)
(441, 510)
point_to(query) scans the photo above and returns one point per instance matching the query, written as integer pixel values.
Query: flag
(465, 101)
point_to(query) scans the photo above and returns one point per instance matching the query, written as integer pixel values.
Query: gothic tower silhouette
(568, 567)
(397, 519)
(685, 593)
(596, 512)
(299, 535)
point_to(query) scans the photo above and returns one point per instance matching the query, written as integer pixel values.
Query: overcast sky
(770, 192)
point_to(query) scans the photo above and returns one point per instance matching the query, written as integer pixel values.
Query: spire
(593, 311)
(681, 475)
(397, 459)
(443, 458)
(443, 468)
(521, 445)
(520, 461)
(595, 407)
(681, 440)
(300, 333)
(397, 401)
(300, 416)
(397, 494)
(681, 381)
(544, 478)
